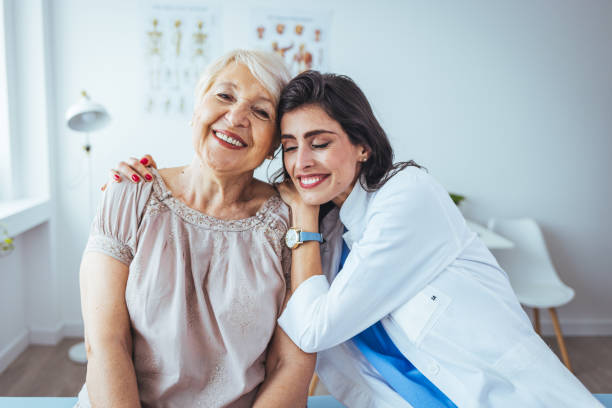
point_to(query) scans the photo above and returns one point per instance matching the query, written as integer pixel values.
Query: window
(6, 187)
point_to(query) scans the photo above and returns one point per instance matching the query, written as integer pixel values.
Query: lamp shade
(86, 115)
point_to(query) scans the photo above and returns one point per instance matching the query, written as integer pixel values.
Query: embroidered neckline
(188, 214)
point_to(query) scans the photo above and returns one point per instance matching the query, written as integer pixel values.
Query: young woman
(405, 305)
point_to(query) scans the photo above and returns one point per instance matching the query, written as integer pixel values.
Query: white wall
(505, 102)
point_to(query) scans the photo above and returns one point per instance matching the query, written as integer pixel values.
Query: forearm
(306, 258)
(111, 379)
(287, 385)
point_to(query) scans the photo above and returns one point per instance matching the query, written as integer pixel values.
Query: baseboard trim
(578, 327)
(73, 329)
(46, 336)
(13, 350)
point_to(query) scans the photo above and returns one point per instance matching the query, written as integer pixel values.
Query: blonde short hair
(268, 68)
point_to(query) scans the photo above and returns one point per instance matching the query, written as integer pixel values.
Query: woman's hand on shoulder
(134, 170)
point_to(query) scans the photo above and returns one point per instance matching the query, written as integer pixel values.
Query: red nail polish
(148, 177)
(144, 161)
(135, 178)
(117, 177)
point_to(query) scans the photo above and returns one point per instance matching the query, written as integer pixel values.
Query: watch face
(291, 238)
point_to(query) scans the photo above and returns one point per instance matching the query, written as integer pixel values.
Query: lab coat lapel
(353, 214)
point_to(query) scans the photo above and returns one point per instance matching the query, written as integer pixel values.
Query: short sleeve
(115, 226)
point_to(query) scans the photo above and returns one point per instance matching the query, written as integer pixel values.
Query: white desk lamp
(85, 116)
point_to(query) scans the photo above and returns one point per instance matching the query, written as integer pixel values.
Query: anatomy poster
(300, 37)
(180, 41)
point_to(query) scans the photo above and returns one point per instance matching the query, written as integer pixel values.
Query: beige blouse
(203, 294)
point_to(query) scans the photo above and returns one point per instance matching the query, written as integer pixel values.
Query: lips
(312, 180)
(229, 139)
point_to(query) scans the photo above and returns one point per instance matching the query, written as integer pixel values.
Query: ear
(364, 153)
(275, 146)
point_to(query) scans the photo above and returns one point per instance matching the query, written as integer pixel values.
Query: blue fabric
(376, 346)
(313, 402)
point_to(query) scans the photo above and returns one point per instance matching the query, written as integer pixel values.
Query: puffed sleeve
(114, 229)
(409, 238)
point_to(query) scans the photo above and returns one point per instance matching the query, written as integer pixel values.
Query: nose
(237, 115)
(303, 158)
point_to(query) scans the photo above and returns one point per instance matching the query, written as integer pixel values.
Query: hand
(134, 170)
(289, 193)
(302, 213)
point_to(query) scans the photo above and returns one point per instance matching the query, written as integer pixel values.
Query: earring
(191, 123)
(364, 159)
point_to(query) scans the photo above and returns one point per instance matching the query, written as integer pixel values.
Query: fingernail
(148, 177)
(102, 188)
(144, 161)
(116, 177)
(135, 178)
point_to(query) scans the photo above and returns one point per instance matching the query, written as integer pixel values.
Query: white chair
(532, 274)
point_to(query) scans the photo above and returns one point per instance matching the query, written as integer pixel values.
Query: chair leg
(313, 384)
(560, 341)
(536, 321)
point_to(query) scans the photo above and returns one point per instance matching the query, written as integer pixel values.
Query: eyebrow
(308, 134)
(233, 86)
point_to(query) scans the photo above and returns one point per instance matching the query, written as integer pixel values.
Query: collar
(352, 213)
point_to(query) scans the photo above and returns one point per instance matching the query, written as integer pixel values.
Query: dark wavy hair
(340, 97)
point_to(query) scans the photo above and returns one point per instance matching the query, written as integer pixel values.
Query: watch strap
(310, 236)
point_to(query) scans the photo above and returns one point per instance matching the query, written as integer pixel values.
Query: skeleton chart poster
(300, 37)
(180, 41)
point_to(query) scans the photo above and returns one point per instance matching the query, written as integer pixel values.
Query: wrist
(306, 218)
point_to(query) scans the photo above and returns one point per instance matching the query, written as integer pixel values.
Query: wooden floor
(47, 371)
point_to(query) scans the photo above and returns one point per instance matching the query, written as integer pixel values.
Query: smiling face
(318, 155)
(234, 125)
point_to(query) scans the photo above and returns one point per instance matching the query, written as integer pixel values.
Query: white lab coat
(441, 297)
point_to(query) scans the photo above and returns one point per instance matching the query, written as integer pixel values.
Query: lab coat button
(433, 369)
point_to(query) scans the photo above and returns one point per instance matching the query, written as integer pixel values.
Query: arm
(288, 373)
(111, 380)
(408, 240)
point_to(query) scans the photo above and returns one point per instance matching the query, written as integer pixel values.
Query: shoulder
(273, 208)
(410, 182)
(411, 189)
(277, 214)
(127, 193)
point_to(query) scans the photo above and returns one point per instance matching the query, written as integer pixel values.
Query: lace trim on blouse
(111, 247)
(163, 196)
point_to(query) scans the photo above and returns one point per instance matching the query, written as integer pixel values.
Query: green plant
(457, 198)
(6, 243)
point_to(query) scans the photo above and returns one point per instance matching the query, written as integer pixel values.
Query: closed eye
(261, 114)
(320, 146)
(224, 97)
(289, 148)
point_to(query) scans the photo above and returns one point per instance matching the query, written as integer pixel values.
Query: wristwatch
(295, 237)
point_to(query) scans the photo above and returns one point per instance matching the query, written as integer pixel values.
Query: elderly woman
(183, 277)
